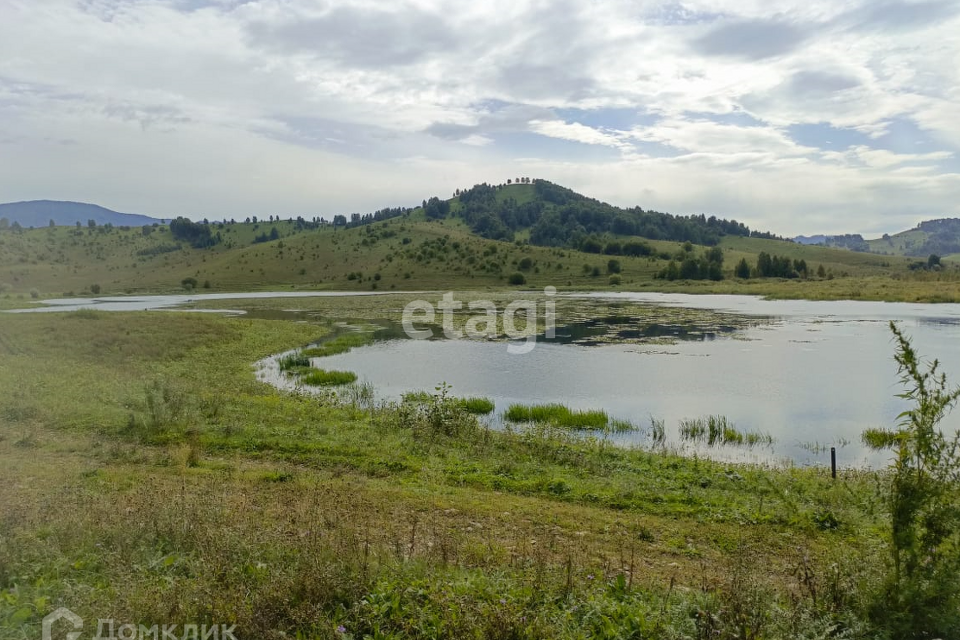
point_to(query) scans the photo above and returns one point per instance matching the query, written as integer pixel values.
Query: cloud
(537, 82)
(819, 83)
(897, 15)
(501, 118)
(357, 36)
(575, 132)
(751, 39)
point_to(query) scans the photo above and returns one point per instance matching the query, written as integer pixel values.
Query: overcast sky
(794, 116)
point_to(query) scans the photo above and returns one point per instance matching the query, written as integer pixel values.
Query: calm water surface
(807, 373)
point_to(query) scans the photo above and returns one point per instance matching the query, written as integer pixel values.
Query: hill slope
(39, 213)
(554, 216)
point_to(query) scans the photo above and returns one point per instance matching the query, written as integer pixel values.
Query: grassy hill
(410, 252)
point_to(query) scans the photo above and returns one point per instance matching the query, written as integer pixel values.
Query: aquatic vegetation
(622, 426)
(658, 431)
(717, 430)
(324, 378)
(340, 344)
(359, 394)
(416, 397)
(477, 406)
(293, 362)
(558, 415)
(880, 438)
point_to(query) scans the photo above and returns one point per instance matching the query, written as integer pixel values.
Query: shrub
(615, 279)
(921, 595)
(613, 266)
(517, 278)
(435, 415)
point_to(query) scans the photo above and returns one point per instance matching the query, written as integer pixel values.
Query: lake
(810, 374)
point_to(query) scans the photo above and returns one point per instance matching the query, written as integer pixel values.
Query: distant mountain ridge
(39, 213)
(940, 237)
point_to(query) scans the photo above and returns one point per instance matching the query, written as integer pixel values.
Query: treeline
(560, 217)
(358, 220)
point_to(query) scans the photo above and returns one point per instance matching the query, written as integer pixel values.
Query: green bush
(921, 594)
(517, 278)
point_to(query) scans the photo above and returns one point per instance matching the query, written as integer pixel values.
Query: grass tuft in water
(658, 430)
(717, 430)
(622, 426)
(294, 362)
(340, 344)
(323, 378)
(477, 406)
(557, 415)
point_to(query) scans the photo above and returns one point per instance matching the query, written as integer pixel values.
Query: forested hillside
(556, 216)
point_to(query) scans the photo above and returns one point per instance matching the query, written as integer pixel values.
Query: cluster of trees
(708, 266)
(852, 241)
(560, 217)
(932, 263)
(359, 220)
(197, 234)
(774, 266)
(265, 237)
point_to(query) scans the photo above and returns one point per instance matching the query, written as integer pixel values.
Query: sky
(836, 116)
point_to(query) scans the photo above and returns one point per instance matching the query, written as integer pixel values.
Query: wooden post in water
(833, 462)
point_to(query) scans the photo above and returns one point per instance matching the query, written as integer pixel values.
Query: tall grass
(477, 406)
(558, 415)
(293, 362)
(717, 430)
(324, 378)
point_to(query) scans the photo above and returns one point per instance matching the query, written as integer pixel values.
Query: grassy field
(146, 476)
(409, 253)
